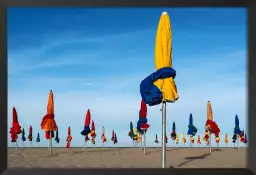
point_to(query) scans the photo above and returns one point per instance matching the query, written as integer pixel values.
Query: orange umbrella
(48, 123)
(226, 139)
(69, 138)
(198, 140)
(15, 130)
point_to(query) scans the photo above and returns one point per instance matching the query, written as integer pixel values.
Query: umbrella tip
(164, 13)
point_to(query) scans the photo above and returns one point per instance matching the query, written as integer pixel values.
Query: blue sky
(95, 58)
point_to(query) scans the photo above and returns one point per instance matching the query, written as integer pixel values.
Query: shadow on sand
(190, 159)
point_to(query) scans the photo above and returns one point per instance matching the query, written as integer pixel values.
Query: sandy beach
(126, 158)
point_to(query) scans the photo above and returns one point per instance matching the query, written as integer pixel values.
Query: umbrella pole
(190, 143)
(237, 142)
(141, 143)
(163, 134)
(16, 144)
(50, 143)
(210, 140)
(84, 145)
(144, 143)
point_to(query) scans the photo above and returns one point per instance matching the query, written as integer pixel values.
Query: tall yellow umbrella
(159, 87)
(163, 59)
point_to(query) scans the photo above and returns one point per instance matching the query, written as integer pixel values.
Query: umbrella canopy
(138, 138)
(183, 137)
(131, 133)
(210, 125)
(226, 138)
(103, 135)
(30, 135)
(38, 137)
(93, 134)
(69, 138)
(177, 139)
(142, 125)
(166, 139)
(242, 137)
(173, 134)
(237, 128)
(57, 136)
(192, 130)
(156, 140)
(87, 121)
(115, 139)
(86, 138)
(245, 138)
(160, 85)
(48, 123)
(15, 130)
(23, 135)
(198, 139)
(113, 136)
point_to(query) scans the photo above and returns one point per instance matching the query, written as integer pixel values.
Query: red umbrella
(69, 138)
(87, 121)
(16, 128)
(30, 137)
(93, 134)
(113, 136)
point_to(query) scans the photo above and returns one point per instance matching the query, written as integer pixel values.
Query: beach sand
(126, 158)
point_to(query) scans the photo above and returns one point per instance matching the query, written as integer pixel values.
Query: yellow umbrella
(163, 59)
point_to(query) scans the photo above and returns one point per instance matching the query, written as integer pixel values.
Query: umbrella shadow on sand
(190, 159)
(160, 150)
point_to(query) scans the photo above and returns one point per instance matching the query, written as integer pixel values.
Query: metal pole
(16, 144)
(141, 143)
(163, 134)
(144, 143)
(50, 143)
(210, 140)
(84, 145)
(237, 141)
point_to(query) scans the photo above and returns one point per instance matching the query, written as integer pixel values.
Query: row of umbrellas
(157, 88)
(49, 125)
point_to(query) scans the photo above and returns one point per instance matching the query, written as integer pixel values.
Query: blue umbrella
(192, 130)
(38, 137)
(237, 130)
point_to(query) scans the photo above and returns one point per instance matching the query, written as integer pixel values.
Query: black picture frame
(250, 5)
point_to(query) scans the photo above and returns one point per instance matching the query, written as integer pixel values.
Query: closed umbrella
(173, 134)
(57, 139)
(15, 130)
(23, 138)
(131, 134)
(48, 123)
(210, 125)
(30, 135)
(226, 139)
(104, 140)
(87, 129)
(156, 140)
(113, 136)
(115, 139)
(69, 138)
(160, 87)
(142, 125)
(93, 134)
(38, 137)
(183, 137)
(192, 130)
(245, 138)
(198, 140)
(177, 139)
(237, 131)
